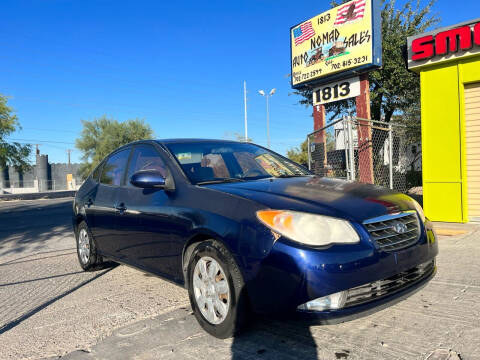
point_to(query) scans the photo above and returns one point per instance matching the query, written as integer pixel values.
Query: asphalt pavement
(49, 308)
(48, 305)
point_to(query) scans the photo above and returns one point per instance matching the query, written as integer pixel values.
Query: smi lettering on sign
(444, 44)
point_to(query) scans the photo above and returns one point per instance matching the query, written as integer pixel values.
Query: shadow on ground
(37, 259)
(30, 226)
(275, 339)
(177, 335)
(78, 280)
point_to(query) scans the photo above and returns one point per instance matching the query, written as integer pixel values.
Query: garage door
(472, 132)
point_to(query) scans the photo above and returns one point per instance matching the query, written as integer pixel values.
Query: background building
(448, 61)
(42, 176)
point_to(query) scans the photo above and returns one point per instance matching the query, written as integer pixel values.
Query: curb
(454, 229)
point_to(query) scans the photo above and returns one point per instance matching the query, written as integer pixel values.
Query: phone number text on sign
(336, 91)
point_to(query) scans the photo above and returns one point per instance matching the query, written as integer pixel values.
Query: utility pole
(68, 152)
(245, 104)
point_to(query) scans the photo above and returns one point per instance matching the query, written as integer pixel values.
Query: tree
(236, 136)
(11, 153)
(101, 136)
(300, 155)
(393, 89)
(240, 137)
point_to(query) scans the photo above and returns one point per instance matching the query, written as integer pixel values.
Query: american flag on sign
(350, 12)
(303, 32)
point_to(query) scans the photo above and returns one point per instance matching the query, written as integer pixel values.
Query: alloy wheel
(211, 290)
(83, 246)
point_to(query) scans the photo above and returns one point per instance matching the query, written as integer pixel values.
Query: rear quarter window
(96, 172)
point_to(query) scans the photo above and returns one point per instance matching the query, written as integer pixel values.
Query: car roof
(192, 141)
(175, 141)
(181, 141)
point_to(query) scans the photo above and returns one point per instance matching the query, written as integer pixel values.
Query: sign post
(364, 130)
(320, 138)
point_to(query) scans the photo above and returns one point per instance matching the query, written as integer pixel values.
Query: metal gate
(368, 151)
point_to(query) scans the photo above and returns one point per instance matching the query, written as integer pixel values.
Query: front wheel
(216, 290)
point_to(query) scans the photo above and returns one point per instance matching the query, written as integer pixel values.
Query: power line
(42, 144)
(42, 141)
(53, 130)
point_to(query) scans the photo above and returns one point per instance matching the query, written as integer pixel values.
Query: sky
(179, 65)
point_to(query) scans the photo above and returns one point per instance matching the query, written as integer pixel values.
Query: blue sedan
(246, 230)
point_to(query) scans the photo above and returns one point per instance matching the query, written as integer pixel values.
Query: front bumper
(367, 307)
(293, 274)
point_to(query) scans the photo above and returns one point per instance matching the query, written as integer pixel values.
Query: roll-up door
(472, 136)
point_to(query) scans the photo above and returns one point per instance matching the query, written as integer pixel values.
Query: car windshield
(210, 162)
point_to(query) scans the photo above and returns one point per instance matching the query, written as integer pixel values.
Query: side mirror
(148, 179)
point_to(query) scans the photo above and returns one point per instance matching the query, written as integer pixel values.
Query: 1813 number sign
(339, 90)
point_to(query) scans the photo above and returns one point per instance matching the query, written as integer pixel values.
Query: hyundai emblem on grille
(394, 232)
(400, 228)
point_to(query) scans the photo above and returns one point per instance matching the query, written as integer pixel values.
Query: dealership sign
(444, 44)
(339, 43)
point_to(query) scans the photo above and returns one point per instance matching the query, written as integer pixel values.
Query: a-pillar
(364, 131)
(320, 153)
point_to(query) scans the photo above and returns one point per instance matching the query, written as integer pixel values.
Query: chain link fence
(368, 151)
(34, 186)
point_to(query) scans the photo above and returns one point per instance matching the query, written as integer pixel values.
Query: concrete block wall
(59, 171)
(42, 176)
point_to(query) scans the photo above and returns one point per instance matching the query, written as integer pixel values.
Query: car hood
(327, 196)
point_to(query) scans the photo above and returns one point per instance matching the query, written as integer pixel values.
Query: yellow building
(448, 61)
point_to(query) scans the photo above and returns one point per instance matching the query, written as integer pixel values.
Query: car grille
(394, 232)
(388, 286)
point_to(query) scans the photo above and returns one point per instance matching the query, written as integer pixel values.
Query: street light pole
(268, 126)
(261, 92)
(245, 104)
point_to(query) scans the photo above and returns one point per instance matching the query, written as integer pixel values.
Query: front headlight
(310, 229)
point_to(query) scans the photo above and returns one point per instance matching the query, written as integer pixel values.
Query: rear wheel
(86, 250)
(216, 290)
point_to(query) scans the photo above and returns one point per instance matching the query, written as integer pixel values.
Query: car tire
(211, 268)
(86, 250)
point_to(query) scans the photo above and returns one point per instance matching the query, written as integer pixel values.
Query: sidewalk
(438, 322)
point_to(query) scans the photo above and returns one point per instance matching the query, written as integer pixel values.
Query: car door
(151, 230)
(103, 208)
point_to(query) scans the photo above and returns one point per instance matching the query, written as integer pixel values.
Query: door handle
(89, 203)
(121, 208)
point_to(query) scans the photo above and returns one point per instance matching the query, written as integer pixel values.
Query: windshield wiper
(217, 181)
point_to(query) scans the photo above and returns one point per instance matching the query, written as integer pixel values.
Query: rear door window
(114, 168)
